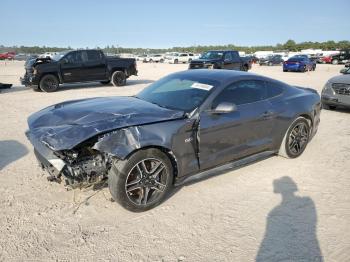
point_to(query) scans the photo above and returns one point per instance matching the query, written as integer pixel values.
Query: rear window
(296, 59)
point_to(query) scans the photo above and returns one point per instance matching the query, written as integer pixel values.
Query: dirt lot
(236, 216)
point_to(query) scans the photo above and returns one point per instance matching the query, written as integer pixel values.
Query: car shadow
(339, 109)
(10, 151)
(290, 233)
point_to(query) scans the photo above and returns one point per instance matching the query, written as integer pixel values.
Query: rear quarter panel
(293, 103)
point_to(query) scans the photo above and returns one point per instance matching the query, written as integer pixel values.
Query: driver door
(245, 131)
(71, 65)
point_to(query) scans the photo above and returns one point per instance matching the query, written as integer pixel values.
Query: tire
(245, 68)
(314, 68)
(132, 196)
(161, 60)
(49, 83)
(151, 61)
(269, 64)
(328, 107)
(286, 149)
(190, 60)
(176, 61)
(118, 78)
(105, 82)
(335, 61)
(303, 70)
(284, 70)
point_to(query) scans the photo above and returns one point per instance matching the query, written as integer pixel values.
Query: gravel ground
(276, 209)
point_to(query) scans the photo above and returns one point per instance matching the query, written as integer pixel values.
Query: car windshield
(178, 92)
(212, 55)
(59, 55)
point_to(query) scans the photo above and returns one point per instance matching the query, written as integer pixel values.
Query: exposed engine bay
(84, 167)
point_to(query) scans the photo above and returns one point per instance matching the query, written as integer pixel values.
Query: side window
(183, 55)
(74, 57)
(273, 89)
(93, 55)
(228, 56)
(235, 55)
(242, 92)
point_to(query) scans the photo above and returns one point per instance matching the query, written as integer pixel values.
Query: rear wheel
(176, 61)
(118, 78)
(49, 83)
(142, 181)
(296, 139)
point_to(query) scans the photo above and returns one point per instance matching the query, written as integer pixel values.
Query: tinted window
(183, 55)
(273, 89)
(73, 57)
(228, 56)
(242, 92)
(93, 55)
(235, 55)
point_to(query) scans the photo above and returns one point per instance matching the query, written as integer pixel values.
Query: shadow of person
(10, 151)
(291, 227)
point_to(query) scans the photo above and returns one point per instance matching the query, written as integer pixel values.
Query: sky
(164, 24)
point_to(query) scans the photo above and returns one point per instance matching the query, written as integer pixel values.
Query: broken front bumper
(47, 159)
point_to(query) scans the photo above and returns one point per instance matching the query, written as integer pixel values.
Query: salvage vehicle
(222, 60)
(336, 92)
(46, 74)
(300, 63)
(181, 125)
(271, 60)
(342, 57)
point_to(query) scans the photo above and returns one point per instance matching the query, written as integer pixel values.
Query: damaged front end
(80, 167)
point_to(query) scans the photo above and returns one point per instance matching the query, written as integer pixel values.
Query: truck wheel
(335, 61)
(105, 82)
(176, 61)
(49, 83)
(161, 60)
(118, 78)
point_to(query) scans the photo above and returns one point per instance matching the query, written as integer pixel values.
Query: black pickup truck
(343, 57)
(221, 60)
(46, 74)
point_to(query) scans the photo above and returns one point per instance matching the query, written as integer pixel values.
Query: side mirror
(224, 108)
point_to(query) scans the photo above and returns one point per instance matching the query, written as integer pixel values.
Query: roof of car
(216, 74)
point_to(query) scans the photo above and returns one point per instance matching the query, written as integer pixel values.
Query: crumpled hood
(65, 125)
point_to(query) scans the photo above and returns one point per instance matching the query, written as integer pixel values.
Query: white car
(181, 58)
(157, 58)
(47, 55)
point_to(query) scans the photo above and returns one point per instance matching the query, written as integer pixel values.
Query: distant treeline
(290, 45)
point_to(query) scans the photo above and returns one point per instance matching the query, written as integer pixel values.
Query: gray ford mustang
(185, 124)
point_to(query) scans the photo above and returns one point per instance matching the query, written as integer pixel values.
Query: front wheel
(296, 139)
(118, 78)
(49, 83)
(142, 181)
(335, 61)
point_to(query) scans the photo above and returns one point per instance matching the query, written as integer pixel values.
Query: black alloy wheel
(297, 139)
(49, 83)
